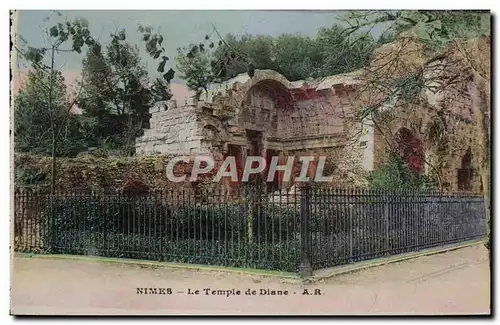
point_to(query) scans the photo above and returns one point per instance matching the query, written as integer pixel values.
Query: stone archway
(265, 102)
(410, 149)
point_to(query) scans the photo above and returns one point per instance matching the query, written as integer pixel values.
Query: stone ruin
(264, 115)
(269, 115)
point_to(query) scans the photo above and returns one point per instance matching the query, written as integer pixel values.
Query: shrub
(278, 256)
(134, 186)
(139, 214)
(395, 174)
(150, 227)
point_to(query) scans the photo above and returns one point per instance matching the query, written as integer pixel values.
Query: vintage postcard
(170, 162)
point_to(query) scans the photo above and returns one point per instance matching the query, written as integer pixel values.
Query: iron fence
(281, 231)
(352, 225)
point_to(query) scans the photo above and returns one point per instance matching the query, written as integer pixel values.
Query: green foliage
(34, 55)
(154, 47)
(44, 123)
(233, 55)
(116, 95)
(147, 228)
(195, 67)
(34, 123)
(441, 27)
(435, 28)
(295, 56)
(298, 58)
(341, 53)
(395, 174)
(99, 171)
(30, 178)
(77, 32)
(409, 87)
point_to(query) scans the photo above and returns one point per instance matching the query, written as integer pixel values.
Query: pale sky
(179, 28)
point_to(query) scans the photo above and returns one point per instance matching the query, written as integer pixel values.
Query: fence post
(386, 196)
(52, 223)
(346, 198)
(19, 217)
(305, 268)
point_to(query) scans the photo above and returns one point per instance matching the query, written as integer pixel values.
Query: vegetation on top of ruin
(296, 57)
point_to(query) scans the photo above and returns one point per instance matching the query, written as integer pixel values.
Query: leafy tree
(195, 67)
(234, 54)
(342, 53)
(60, 33)
(117, 94)
(32, 130)
(296, 57)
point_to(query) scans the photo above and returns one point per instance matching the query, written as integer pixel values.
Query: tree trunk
(53, 169)
(53, 126)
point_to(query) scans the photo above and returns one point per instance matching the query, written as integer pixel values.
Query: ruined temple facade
(265, 115)
(269, 115)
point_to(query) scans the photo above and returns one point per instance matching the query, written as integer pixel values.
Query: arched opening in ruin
(269, 94)
(261, 109)
(465, 172)
(410, 149)
(263, 105)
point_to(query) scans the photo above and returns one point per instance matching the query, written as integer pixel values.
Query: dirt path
(457, 282)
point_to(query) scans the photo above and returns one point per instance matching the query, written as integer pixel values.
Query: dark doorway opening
(254, 138)
(465, 173)
(410, 149)
(274, 184)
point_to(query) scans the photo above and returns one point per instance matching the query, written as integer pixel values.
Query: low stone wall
(91, 173)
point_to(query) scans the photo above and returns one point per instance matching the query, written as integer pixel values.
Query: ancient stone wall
(311, 118)
(91, 173)
(444, 156)
(174, 130)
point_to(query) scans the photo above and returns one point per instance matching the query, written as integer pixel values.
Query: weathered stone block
(172, 104)
(190, 101)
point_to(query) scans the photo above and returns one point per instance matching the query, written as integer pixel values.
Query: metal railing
(291, 232)
(350, 226)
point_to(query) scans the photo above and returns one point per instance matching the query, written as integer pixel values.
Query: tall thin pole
(52, 122)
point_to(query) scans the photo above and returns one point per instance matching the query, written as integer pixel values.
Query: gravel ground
(456, 282)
